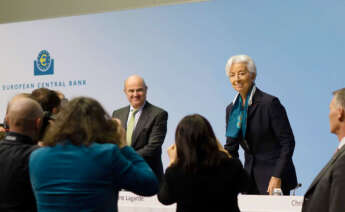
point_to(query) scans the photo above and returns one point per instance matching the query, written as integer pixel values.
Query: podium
(129, 202)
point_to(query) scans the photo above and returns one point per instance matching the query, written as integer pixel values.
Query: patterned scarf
(237, 122)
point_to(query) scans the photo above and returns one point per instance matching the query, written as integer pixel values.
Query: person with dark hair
(63, 99)
(201, 176)
(50, 102)
(85, 162)
(48, 99)
(24, 117)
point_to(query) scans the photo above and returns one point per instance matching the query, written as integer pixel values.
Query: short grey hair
(340, 97)
(242, 58)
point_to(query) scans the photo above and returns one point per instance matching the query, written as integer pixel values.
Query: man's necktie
(130, 127)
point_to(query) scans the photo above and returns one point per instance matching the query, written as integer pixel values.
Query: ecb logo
(44, 65)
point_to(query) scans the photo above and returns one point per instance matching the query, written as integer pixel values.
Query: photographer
(50, 103)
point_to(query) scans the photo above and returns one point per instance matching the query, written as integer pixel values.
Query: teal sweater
(67, 177)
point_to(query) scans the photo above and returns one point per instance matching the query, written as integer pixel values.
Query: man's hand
(275, 182)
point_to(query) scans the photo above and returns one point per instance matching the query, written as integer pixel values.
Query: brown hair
(47, 98)
(82, 121)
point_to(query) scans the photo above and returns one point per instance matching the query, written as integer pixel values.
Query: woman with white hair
(258, 123)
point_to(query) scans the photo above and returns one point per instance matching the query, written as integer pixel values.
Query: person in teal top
(84, 162)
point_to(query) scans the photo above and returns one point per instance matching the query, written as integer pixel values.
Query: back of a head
(20, 95)
(22, 114)
(82, 121)
(48, 99)
(63, 99)
(196, 142)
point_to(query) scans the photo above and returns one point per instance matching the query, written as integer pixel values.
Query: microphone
(299, 185)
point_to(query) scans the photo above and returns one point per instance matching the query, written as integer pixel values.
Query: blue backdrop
(181, 51)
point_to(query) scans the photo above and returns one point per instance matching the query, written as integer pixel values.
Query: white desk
(129, 202)
(265, 203)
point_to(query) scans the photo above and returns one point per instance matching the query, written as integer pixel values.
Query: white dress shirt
(341, 143)
(137, 115)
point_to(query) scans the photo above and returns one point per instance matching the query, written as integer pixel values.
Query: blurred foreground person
(49, 99)
(24, 117)
(258, 122)
(326, 192)
(50, 102)
(201, 175)
(85, 162)
(2, 132)
(28, 95)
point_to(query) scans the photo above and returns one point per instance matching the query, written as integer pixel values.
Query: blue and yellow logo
(44, 65)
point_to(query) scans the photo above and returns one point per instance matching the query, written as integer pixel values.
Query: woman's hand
(221, 148)
(172, 154)
(275, 182)
(121, 132)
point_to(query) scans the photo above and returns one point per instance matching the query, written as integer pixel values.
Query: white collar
(341, 143)
(131, 108)
(250, 101)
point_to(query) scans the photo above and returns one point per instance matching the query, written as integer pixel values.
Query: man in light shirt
(145, 124)
(326, 193)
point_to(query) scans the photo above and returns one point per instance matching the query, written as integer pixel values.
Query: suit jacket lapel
(124, 117)
(141, 122)
(255, 101)
(325, 169)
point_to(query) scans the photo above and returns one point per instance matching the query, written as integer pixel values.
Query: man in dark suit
(24, 116)
(326, 192)
(145, 124)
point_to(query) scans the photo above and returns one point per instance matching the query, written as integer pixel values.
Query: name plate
(133, 200)
(265, 203)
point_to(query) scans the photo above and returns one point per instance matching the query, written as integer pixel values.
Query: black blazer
(148, 135)
(15, 188)
(326, 192)
(209, 189)
(269, 142)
